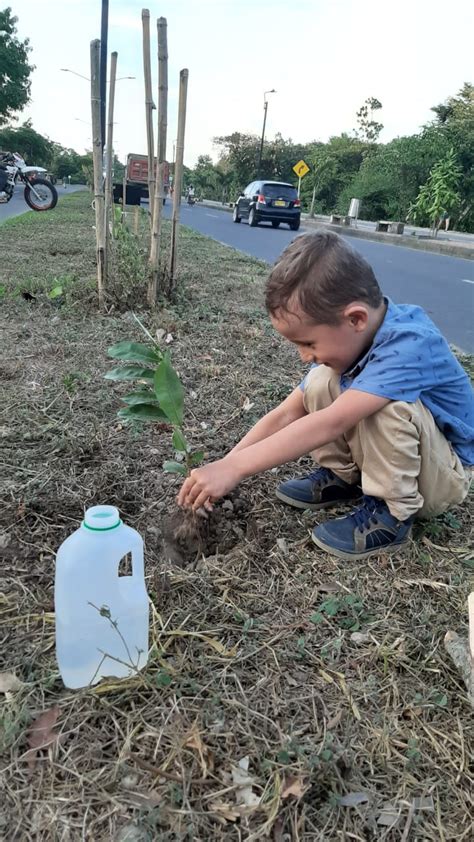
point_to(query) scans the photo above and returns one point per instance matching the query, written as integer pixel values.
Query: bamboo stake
(136, 216)
(470, 608)
(462, 651)
(149, 106)
(109, 154)
(98, 174)
(161, 155)
(124, 193)
(178, 178)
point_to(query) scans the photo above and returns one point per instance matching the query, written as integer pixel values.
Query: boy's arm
(297, 439)
(285, 413)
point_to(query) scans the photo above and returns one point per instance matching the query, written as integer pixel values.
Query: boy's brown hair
(321, 274)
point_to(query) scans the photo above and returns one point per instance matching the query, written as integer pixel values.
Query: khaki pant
(399, 454)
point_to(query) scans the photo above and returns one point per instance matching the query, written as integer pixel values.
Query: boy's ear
(357, 315)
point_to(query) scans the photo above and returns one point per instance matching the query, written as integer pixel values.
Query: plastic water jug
(101, 617)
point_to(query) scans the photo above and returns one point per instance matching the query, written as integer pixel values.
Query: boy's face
(337, 346)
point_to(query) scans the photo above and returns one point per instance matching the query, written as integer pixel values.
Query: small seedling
(159, 396)
(71, 381)
(59, 286)
(412, 753)
(347, 611)
(55, 292)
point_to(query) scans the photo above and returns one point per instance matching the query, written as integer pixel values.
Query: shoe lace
(365, 514)
(319, 474)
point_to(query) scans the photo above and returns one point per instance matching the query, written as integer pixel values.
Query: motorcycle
(39, 193)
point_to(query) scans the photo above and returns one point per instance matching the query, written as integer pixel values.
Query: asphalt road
(17, 204)
(442, 285)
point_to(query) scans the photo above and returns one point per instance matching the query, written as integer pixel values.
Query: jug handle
(138, 569)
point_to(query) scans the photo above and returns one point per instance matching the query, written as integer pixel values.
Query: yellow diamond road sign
(301, 168)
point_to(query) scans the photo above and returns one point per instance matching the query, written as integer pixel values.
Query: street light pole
(68, 70)
(265, 108)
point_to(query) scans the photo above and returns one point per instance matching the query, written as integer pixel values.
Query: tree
(455, 121)
(458, 107)
(35, 148)
(87, 167)
(280, 156)
(239, 155)
(389, 178)
(205, 178)
(14, 68)
(440, 194)
(333, 166)
(369, 129)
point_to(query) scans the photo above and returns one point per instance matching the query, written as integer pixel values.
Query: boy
(387, 412)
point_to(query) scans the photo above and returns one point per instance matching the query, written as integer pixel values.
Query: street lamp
(265, 108)
(88, 122)
(67, 70)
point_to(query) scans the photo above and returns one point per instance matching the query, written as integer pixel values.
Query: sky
(323, 57)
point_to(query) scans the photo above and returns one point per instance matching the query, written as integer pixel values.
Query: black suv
(269, 201)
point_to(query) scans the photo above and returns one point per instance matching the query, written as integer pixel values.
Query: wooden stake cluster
(98, 174)
(149, 106)
(178, 178)
(161, 155)
(103, 199)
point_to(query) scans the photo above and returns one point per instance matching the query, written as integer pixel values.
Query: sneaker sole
(314, 507)
(391, 550)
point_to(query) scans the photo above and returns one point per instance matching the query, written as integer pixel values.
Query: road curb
(448, 249)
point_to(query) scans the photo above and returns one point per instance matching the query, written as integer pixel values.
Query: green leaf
(130, 372)
(440, 699)
(175, 468)
(317, 617)
(134, 352)
(142, 412)
(179, 441)
(143, 396)
(196, 458)
(169, 391)
(330, 606)
(283, 756)
(56, 292)
(163, 679)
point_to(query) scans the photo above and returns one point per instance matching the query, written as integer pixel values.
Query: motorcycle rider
(190, 195)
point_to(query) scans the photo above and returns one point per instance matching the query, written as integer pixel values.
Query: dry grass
(253, 650)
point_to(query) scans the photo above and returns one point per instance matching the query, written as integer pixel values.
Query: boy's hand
(208, 483)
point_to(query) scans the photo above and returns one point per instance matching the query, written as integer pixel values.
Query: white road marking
(214, 215)
(466, 281)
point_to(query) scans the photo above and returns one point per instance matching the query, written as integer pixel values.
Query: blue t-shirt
(408, 360)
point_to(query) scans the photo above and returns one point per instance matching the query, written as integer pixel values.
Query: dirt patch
(187, 535)
(328, 676)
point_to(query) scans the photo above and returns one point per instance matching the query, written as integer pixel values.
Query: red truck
(137, 180)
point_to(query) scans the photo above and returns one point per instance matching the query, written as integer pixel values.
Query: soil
(327, 678)
(187, 535)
